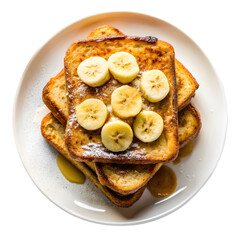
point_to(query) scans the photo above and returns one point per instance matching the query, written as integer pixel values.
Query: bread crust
(192, 127)
(105, 30)
(133, 184)
(186, 85)
(49, 100)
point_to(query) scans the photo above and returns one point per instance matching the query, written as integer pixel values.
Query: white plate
(85, 201)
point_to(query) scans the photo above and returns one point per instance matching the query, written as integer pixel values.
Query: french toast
(54, 96)
(53, 131)
(136, 176)
(150, 53)
(127, 178)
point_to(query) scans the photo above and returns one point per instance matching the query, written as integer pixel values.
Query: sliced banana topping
(117, 136)
(126, 102)
(91, 114)
(154, 85)
(123, 66)
(148, 126)
(94, 71)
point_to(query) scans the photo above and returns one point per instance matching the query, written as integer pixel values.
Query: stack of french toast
(120, 109)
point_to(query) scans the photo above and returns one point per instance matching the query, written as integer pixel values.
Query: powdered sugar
(95, 150)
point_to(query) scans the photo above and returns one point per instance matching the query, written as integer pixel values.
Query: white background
(26, 213)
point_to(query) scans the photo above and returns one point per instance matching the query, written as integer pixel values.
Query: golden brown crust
(184, 105)
(150, 54)
(55, 106)
(186, 85)
(125, 178)
(51, 130)
(189, 125)
(103, 31)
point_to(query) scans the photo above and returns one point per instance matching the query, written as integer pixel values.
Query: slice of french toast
(150, 53)
(54, 93)
(127, 178)
(53, 131)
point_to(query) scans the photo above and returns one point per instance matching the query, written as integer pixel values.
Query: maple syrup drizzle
(163, 183)
(184, 152)
(69, 171)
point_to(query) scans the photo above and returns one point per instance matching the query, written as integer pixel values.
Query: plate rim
(83, 217)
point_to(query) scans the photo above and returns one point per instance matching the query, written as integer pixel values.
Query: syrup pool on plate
(163, 183)
(184, 152)
(69, 171)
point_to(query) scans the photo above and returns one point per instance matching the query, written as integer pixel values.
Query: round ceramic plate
(86, 201)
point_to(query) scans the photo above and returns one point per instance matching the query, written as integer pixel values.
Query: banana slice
(91, 114)
(123, 66)
(148, 126)
(94, 71)
(117, 136)
(154, 85)
(126, 102)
